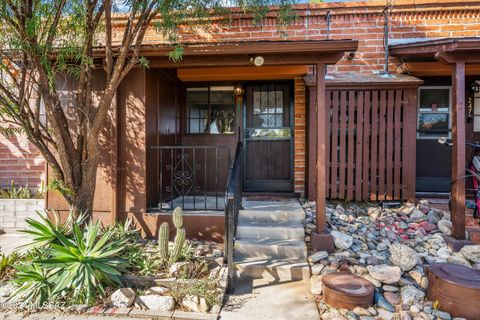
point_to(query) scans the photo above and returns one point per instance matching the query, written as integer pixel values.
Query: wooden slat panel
(351, 145)
(334, 154)
(381, 145)
(343, 144)
(366, 145)
(389, 126)
(328, 121)
(359, 147)
(374, 150)
(398, 145)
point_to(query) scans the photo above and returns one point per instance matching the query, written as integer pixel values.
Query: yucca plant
(86, 263)
(6, 264)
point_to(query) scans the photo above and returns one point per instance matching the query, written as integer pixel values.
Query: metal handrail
(233, 204)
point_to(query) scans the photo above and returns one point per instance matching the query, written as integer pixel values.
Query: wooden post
(458, 151)
(321, 143)
(312, 144)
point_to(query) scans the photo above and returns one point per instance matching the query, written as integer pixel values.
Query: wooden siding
(370, 143)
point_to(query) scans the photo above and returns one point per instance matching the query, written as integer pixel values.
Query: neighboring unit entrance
(434, 121)
(268, 137)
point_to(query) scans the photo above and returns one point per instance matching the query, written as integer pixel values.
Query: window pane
(435, 100)
(222, 110)
(476, 123)
(268, 108)
(197, 106)
(476, 106)
(433, 124)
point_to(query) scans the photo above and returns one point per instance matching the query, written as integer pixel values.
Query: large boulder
(471, 253)
(403, 256)
(342, 241)
(385, 273)
(122, 298)
(411, 295)
(156, 302)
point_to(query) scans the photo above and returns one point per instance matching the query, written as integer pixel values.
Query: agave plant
(85, 263)
(35, 284)
(6, 264)
(44, 230)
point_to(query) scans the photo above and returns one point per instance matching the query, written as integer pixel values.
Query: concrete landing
(260, 300)
(13, 242)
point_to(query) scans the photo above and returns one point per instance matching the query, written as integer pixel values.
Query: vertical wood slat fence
(370, 152)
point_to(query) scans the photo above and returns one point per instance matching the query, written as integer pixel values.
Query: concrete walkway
(11, 242)
(284, 301)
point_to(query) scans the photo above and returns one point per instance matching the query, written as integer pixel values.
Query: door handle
(247, 133)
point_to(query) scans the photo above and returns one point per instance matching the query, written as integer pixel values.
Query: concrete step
(268, 248)
(278, 206)
(270, 230)
(273, 270)
(271, 216)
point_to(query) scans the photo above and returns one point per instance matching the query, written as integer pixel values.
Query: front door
(433, 159)
(268, 138)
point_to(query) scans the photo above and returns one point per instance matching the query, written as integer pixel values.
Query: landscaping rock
(381, 302)
(471, 253)
(410, 295)
(316, 285)
(317, 256)
(177, 267)
(157, 290)
(403, 256)
(156, 302)
(385, 315)
(122, 298)
(445, 226)
(342, 240)
(385, 273)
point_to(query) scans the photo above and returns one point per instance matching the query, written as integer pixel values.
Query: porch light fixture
(474, 87)
(257, 61)
(238, 90)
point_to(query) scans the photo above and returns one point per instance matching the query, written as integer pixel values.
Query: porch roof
(431, 49)
(240, 53)
(359, 80)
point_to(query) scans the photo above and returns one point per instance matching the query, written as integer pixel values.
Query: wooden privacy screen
(370, 152)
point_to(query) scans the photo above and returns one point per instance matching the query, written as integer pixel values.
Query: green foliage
(6, 265)
(14, 192)
(45, 231)
(206, 289)
(71, 262)
(167, 254)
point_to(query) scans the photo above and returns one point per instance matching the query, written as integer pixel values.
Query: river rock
(156, 302)
(392, 297)
(445, 227)
(410, 295)
(385, 273)
(443, 253)
(403, 256)
(122, 298)
(441, 315)
(157, 290)
(381, 302)
(385, 315)
(342, 241)
(317, 256)
(471, 253)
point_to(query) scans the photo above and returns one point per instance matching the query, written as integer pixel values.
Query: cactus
(178, 245)
(167, 255)
(163, 235)
(177, 218)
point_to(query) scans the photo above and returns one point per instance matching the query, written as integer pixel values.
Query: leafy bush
(71, 263)
(6, 265)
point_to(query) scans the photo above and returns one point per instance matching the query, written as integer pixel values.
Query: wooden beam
(321, 150)
(436, 69)
(242, 73)
(312, 144)
(458, 151)
(453, 57)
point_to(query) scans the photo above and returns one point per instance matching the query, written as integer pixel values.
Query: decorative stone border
(13, 213)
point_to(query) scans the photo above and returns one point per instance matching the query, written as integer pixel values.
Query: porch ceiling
(239, 54)
(242, 73)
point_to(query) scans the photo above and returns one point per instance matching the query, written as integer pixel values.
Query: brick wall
(20, 161)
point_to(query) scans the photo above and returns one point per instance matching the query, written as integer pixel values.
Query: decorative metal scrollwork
(183, 176)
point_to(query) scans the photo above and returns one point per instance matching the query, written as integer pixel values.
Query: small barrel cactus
(167, 255)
